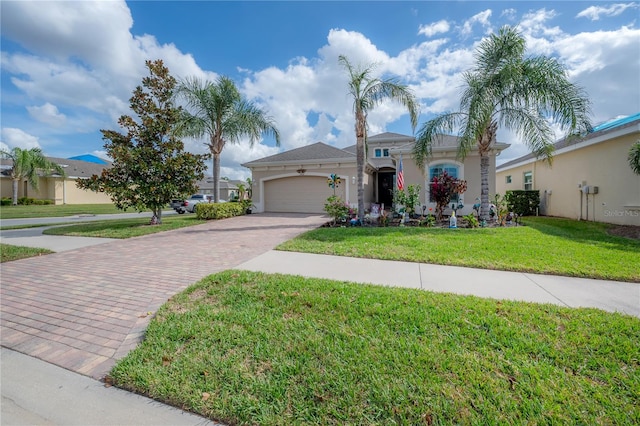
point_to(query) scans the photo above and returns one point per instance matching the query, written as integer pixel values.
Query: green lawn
(545, 245)
(20, 212)
(249, 348)
(9, 252)
(124, 228)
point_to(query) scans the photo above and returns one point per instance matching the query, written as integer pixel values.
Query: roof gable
(316, 151)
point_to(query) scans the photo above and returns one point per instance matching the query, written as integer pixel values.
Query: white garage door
(298, 194)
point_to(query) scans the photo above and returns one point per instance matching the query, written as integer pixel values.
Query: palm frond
(429, 134)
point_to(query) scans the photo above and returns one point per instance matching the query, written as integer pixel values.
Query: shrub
(219, 210)
(428, 221)
(408, 199)
(25, 201)
(443, 188)
(472, 221)
(336, 208)
(5, 201)
(523, 203)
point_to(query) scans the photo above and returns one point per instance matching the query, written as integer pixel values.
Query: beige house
(296, 180)
(54, 187)
(589, 179)
(228, 188)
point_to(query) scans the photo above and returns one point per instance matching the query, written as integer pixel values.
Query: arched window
(437, 170)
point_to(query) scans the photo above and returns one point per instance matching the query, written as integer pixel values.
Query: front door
(385, 188)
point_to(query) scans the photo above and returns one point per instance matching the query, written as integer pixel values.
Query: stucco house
(589, 179)
(228, 187)
(55, 187)
(296, 180)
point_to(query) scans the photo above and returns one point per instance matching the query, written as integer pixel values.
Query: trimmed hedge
(26, 201)
(523, 203)
(219, 210)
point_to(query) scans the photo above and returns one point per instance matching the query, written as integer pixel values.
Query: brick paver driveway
(84, 309)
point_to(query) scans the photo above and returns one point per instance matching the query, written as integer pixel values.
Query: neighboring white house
(589, 179)
(296, 180)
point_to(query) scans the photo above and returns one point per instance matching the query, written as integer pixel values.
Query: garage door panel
(298, 194)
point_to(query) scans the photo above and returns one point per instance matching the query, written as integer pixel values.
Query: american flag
(400, 176)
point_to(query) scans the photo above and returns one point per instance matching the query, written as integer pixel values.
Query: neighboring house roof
(72, 168)
(89, 158)
(313, 152)
(598, 134)
(223, 184)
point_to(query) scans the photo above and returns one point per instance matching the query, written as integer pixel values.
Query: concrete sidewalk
(612, 296)
(35, 392)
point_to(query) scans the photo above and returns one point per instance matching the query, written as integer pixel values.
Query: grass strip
(123, 228)
(545, 246)
(249, 348)
(33, 211)
(10, 252)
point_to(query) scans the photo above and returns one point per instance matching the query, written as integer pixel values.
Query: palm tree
(506, 89)
(26, 164)
(367, 92)
(220, 113)
(634, 157)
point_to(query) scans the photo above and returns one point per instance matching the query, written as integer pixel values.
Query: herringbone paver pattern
(84, 309)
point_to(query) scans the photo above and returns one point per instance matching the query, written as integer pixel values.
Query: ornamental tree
(443, 188)
(150, 166)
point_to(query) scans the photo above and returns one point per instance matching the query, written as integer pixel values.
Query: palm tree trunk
(15, 191)
(484, 186)
(360, 160)
(216, 177)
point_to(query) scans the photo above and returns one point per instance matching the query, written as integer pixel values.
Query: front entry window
(437, 170)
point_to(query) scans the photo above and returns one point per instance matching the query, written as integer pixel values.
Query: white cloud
(83, 59)
(48, 114)
(595, 12)
(481, 18)
(83, 54)
(435, 28)
(18, 138)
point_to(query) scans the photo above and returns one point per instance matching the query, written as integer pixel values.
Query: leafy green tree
(150, 166)
(634, 157)
(219, 112)
(368, 91)
(26, 165)
(507, 89)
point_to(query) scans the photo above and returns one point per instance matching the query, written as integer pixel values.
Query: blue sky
(68, 68)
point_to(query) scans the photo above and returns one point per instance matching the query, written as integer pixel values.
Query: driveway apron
(84, 309)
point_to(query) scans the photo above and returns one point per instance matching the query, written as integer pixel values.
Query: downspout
(580, 189)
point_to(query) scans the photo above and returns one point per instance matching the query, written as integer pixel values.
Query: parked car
(189, 205)
(175, 203)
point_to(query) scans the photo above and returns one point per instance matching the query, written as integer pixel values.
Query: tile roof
(316, 151)
(72, 168)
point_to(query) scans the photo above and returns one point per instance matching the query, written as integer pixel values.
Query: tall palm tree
(26, 164)
(369, 91)
(218, 111)
(507, 89)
